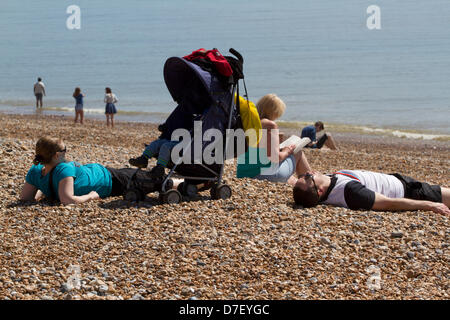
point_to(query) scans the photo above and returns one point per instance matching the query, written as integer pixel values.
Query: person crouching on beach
(70, 182)
(78, 96)
(270, 108)
(367, 190)
(110, 108)
(326, 139)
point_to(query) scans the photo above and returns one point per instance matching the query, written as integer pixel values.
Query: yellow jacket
(250, 120)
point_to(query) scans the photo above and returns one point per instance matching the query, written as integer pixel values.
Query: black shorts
(321, 141)
(120, 179)
(39, 97)
(132, 178)
(419, 190)
(319, 144)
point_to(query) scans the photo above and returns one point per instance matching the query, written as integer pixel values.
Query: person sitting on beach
(367, 190)
(270, 108)
(39, 92)
(70, 182)
(110, 108)
(78, 96)
(326, 139)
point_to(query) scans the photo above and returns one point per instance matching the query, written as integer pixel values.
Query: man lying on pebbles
(357, 189)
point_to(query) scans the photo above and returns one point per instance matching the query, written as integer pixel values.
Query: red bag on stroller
(221, 64)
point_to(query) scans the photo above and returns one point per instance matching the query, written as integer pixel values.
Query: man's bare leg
(330, 143)
(176, 182)
(445, 196)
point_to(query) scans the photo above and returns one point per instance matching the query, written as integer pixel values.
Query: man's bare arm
(383, 203)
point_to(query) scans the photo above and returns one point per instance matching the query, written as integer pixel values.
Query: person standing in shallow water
(110, 108)
(78, 96)
(39, 92)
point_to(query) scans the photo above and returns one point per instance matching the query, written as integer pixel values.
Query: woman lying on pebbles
(70, 182)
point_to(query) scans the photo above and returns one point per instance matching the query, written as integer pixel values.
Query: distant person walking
(110, 108)
(78, 96)
(326, 139)
(39, 92)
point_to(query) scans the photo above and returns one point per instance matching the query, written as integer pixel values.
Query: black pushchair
(206, 95)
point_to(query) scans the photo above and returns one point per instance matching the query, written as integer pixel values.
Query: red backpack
(221, 64)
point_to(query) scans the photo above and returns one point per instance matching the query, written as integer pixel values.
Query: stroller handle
(237, 54)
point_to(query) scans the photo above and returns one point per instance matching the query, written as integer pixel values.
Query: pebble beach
(255, 245)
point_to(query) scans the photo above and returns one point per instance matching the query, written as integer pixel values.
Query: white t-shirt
(39, 88)
(110, 98)
(355, 189)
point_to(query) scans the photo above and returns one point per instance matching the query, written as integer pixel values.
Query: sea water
(320, 57)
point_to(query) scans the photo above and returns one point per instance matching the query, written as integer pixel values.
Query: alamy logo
(74, 280)
(214, 147)
(74, 20)
(374, 20)
(374, 280)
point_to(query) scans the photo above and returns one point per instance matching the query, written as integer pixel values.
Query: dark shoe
(140, 162)
(157, 172)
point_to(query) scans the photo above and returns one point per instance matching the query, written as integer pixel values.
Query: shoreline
(157, 117)
(341, 136)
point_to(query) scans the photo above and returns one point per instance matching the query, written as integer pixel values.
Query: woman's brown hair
(108, 90)
(46, 148)
(76, 92)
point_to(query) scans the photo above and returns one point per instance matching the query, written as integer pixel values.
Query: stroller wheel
(222, 191)
(186, 189)
(133, 195)
(170, 197)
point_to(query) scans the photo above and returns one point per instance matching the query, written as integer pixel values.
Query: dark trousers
(321, 141)
(319, 144)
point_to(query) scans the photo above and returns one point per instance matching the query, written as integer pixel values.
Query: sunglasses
(63, 150)
(310, 176)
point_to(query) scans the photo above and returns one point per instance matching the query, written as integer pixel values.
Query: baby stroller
(202, 94)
